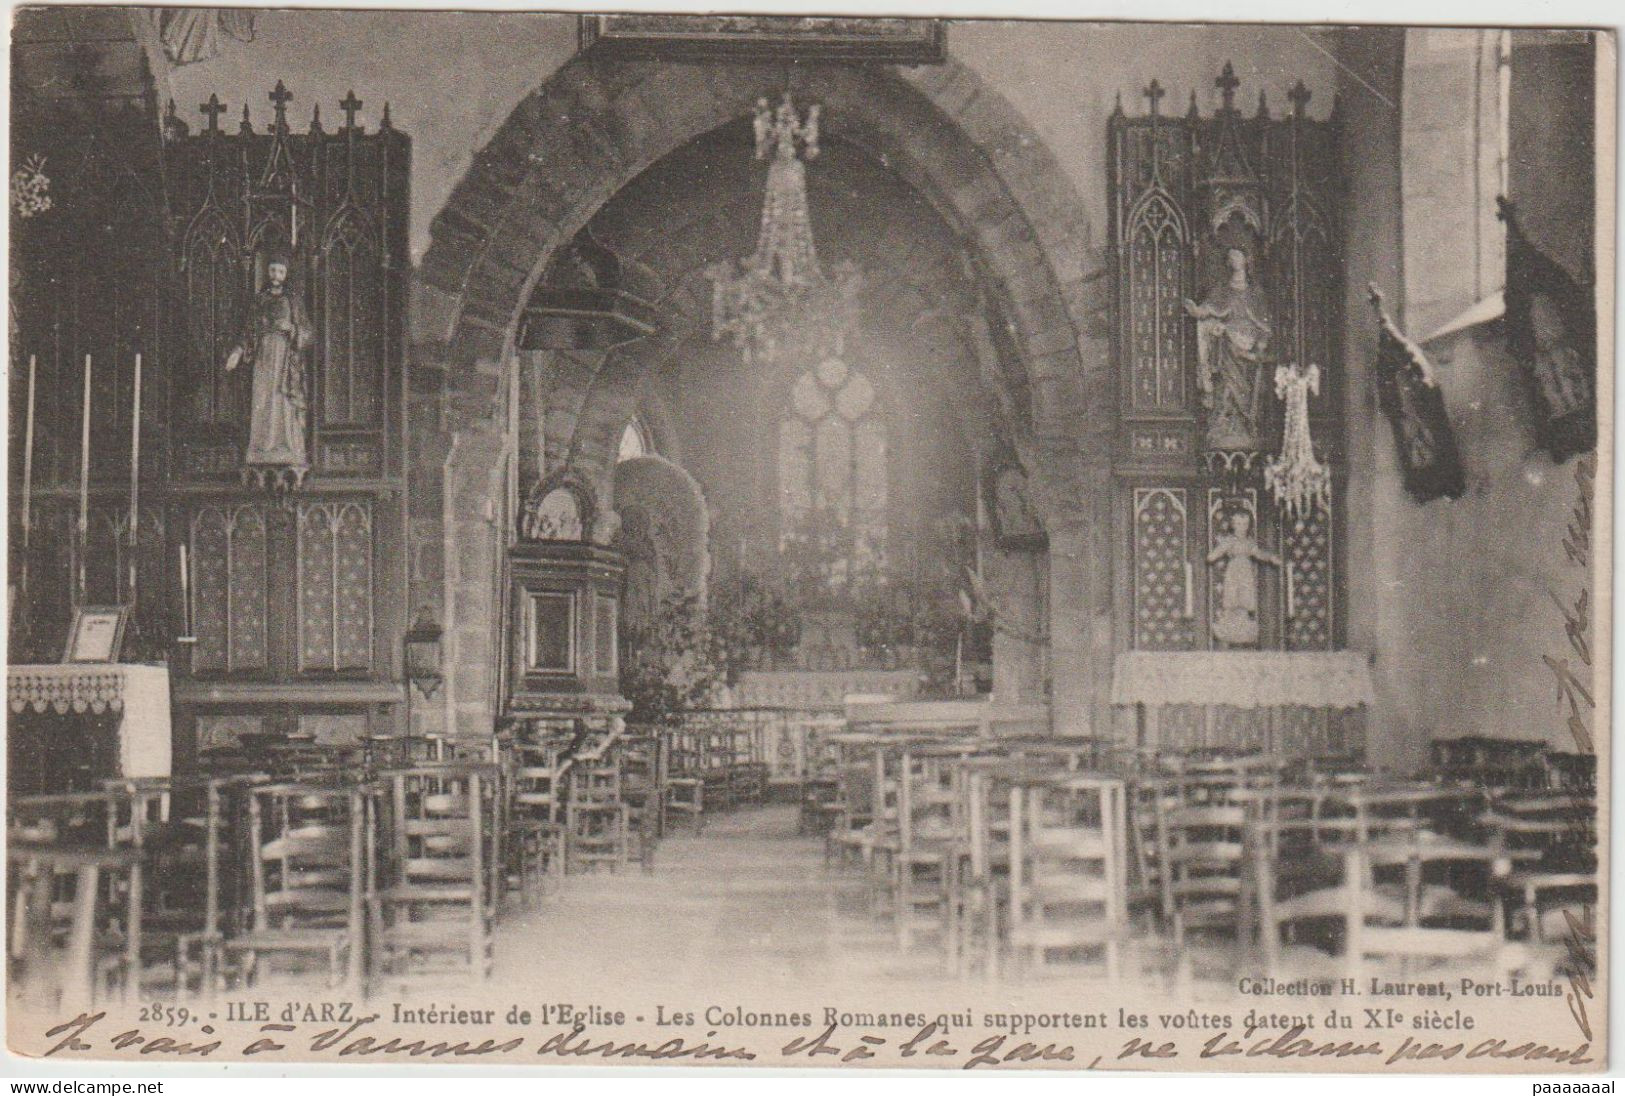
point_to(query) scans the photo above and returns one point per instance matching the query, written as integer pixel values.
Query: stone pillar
(1076, 500)
(1019, 582)
(474, 494)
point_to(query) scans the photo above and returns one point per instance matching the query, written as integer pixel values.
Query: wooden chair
(1550, 842)
(306, 871)
(436, 898)
(1202, 855)
(1456, 933)
(73, 819)
(930, 837)
(1068, 872)
(642, 764)
(747, 771)
(717, 759)
(597, 819)
(539, 783)
(685, 779)
(980, 885)
(848, 839)
(820, 805)
(75, 927)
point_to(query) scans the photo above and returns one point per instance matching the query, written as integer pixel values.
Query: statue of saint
(277, 334)
(1232, 337)
(1235, 620)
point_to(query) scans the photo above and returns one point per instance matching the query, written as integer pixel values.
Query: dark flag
(1411, 399)
(1551, 327)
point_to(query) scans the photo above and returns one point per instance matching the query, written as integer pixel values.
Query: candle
(135, 473)
(1190, 592)
(84, 479)
(1291, 608)
(186, 592)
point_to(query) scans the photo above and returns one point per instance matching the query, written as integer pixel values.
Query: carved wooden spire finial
(350, 106)
(280, 97)
(1227, 85)
(214, 108)
(1299, 95)
(1154, 93)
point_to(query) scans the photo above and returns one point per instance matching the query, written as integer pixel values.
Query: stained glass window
(832, 468)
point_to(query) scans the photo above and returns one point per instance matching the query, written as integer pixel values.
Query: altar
(71, 727)
(1294, 704)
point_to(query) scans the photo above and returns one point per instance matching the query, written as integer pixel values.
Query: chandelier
(779, 299)
(1297, 479)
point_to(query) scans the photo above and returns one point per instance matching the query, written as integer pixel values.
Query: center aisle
(748, 902)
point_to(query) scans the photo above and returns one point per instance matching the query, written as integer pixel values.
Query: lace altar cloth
(1243, 679)
(141, 693)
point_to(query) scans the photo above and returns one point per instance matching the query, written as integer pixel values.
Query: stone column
(1076, 500)
(1019, 585)
(474, 495)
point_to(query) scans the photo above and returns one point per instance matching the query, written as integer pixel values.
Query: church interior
(534, 498)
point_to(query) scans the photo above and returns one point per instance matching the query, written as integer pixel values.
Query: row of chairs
(994, 853)
(335, 868)
(715, 765)
(1009, 850)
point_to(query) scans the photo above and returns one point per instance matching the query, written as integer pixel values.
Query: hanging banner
(1551, 327)
(1411, 399)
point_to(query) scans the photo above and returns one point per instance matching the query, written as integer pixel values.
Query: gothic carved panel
(228, 578)
(1306, 551)
(1164, 601)
(335, 586)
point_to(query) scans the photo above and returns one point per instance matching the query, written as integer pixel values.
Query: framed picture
(1016, 526)
(97, 633)
(551, 632)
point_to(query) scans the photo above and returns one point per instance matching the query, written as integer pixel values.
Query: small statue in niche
(1016, 523)
(1232, 338)
(278, 332)
(1235, 620)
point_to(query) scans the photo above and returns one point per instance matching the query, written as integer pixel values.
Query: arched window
(832, 470)
(634, 442)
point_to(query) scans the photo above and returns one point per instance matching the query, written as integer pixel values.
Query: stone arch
(659, 500)
(595, 125)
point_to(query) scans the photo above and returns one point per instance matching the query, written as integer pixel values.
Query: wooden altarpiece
(1186, 193)
(295, 586)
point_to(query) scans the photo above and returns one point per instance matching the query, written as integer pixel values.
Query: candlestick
(981, 523)
(28, 461)
(135, 475)
(84, 480)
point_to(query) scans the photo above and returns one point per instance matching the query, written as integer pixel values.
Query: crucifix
(1300, 97)
(350, 106)
(1154, 93)
(214, 108)
(1227, 85)
(280, 96)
